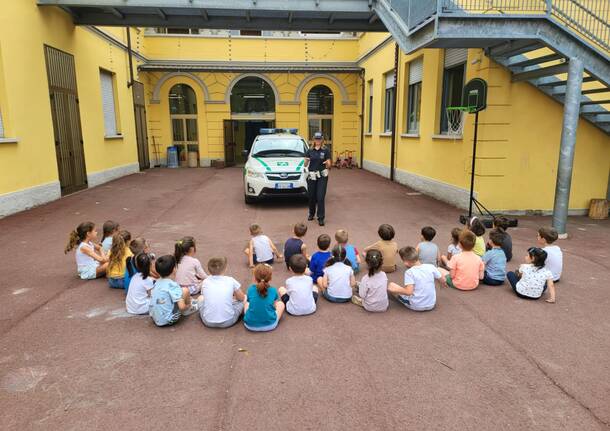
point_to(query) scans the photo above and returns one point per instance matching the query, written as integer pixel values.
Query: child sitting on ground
(373, 288)
(476, 226)
(140, 286)
(501, 224)
(260, 249)
(466, 268)
(427, 250)
(338, 279)
(494, 260)
(91, 261)
(300, 295)
(223, 301)
(418, 292)
(319, 258)
(295, 245)
(533, 278)
(117, 259)
(263, 307)
(454, 246)
(189, 273)
(341, 236)
(108, 230)
(554, 260)
(169, 301)
(386, 246)
(137, 246)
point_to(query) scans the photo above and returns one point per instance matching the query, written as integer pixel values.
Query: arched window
(252, 95)
(320, 100)
(320, 106)
(182, 100)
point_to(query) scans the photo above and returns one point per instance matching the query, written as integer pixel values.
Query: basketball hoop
(455, 119)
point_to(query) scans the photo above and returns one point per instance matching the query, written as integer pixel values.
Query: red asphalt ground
(71, 359)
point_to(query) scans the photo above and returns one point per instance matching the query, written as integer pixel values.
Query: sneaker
(310, 218)
(357, 300)
(321, 222)
(195, 305)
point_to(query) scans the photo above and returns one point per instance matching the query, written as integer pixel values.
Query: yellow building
(71, 115)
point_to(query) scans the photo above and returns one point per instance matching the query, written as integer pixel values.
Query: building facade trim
(156, 96)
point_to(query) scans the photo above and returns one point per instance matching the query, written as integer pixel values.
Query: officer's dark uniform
(317, 188)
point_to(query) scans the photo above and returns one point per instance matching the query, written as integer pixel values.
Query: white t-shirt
(532, 280)
(83, 260)
(454, 249)
(262, 248)
(138, 300)
(339, 280)
(300, 290)
(554, 260)
(422, 278)
(217, 293)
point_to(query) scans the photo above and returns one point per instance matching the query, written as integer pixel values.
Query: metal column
(571, 113)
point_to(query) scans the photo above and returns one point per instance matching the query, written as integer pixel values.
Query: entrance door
(141, 132)
(230, 145)
(65, 114)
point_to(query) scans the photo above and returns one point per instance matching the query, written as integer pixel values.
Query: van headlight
(254, 174)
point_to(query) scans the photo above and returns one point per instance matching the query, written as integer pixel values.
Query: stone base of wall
(101, 177)
(14, 202)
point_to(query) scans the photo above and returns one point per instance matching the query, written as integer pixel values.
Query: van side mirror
(245, 153)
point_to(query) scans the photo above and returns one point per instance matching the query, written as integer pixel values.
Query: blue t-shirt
(261, 311)
(163, 307)
(495, 263)
(130, 271)
(316, 266)
(350, 254)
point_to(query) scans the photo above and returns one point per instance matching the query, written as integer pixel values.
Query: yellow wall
(519, 136)
(288, 112)
(24, 30)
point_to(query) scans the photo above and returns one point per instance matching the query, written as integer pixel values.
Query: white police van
(275, 165)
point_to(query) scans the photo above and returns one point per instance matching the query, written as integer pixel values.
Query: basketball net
(455, 121)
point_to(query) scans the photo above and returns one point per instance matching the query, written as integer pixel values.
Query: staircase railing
(590, 19)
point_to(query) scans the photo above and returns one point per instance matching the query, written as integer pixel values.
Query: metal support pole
(474, 159)
(571, 111)
(362, 117)
(394, 106)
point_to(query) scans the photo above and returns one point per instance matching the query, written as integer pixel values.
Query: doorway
(65, 113)
(141, 133)
(183, 115)
(239, 136)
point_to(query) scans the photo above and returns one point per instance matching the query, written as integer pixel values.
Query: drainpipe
(130, 83)
(393, 144)
(571, 111)
(362, 112)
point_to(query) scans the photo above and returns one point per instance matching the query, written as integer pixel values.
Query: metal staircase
(534, 39)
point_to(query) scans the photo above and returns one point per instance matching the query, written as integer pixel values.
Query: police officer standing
(317, 160)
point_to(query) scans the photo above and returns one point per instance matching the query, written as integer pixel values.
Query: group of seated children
(176, 285)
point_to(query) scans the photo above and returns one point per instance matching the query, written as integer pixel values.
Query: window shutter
(389, 80)
(110, 128)
(1, 126)
(416, 71)
(455, 56)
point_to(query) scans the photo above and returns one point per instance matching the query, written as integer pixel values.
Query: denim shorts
(116, 282)
(334, 299)
(263, 328)
(407, 303)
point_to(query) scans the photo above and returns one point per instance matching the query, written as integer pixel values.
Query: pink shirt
(190, 273)
(466, 269)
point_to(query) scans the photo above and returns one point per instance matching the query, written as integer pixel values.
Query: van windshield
(289, 147)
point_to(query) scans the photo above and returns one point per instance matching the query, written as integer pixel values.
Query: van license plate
(284, 185)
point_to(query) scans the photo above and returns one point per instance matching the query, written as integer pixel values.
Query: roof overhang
(304, 15)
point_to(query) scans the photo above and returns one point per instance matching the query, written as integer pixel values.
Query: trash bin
(172, 157)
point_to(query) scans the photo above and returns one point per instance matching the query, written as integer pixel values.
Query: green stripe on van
(262, 163)
(300, 165)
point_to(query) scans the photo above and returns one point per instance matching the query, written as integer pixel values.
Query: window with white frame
(370, 112)
(453, 82)
(390, 94)
(109, 103)
(416, 69)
